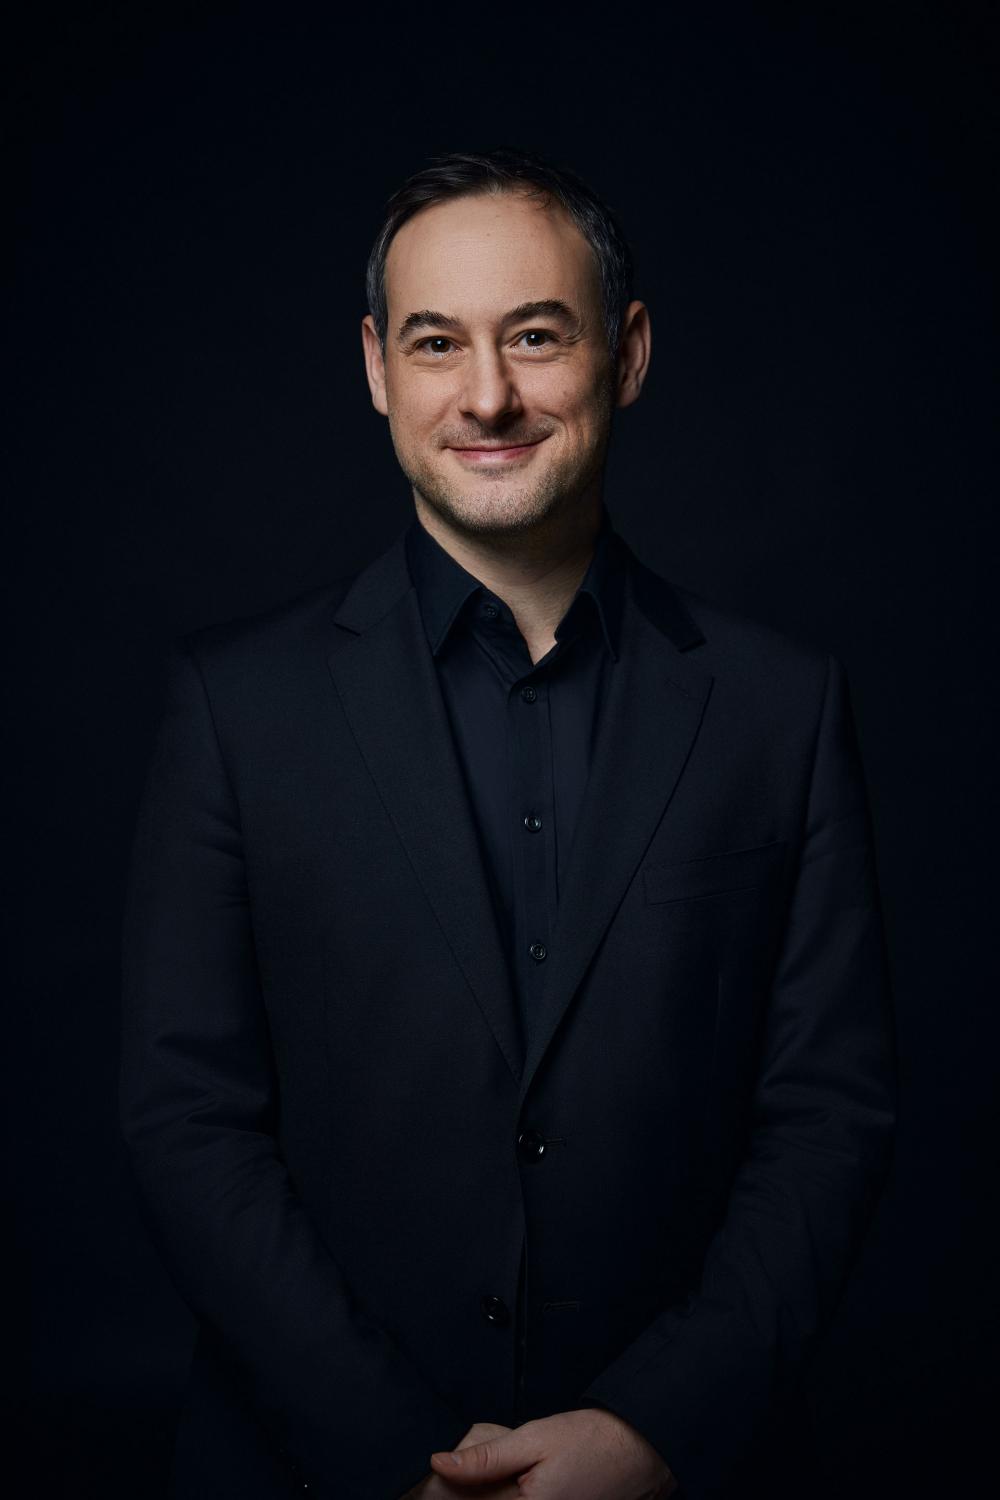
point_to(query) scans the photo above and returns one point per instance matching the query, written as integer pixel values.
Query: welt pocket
(712, 874)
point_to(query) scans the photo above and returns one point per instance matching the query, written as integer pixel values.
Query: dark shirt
(524, 733)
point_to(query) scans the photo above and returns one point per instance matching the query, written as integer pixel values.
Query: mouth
(493, 456)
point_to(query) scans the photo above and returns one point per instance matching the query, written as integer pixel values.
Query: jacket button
(530, 1145)
(494, 1310)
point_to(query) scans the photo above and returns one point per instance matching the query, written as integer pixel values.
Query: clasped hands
(591, 1454)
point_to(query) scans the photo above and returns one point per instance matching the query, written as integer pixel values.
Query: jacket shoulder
(288, 626)
(741, 641)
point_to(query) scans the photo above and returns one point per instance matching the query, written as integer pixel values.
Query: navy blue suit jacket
(341, 1150)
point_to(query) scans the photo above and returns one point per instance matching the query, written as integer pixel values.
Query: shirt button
(494, 1310)
(490, 611)
(538, 951)
(529, 694)
(532, 822)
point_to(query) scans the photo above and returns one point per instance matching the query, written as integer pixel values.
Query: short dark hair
(505, 169)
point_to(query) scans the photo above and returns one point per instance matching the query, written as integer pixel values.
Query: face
(496, 378)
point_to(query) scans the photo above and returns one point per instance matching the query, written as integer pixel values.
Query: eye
(537, 333)
(437, 338)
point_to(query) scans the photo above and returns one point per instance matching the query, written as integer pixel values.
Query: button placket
(532, 771)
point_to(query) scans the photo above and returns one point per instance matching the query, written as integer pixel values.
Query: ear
(374, 364)
(633, 353)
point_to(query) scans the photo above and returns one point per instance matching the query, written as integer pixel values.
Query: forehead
(489, 251)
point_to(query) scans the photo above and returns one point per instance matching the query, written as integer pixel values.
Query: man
(508, 1057)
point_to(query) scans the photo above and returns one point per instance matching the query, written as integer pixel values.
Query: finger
(502, 1457)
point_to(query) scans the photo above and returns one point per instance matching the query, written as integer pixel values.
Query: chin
(495, 502)
(490, 509)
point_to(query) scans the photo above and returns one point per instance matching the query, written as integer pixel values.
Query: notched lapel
(384, 673)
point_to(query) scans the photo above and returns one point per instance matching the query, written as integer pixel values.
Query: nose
(489, 391)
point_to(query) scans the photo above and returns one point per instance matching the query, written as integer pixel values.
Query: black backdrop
(808, 191)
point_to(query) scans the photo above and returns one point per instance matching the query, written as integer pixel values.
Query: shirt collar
(443, 585)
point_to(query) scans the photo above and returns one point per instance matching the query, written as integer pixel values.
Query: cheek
(422, 410)
(408, 418)
(575, 397)
(580, 411)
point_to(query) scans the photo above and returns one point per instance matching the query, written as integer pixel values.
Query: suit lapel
(385, 675)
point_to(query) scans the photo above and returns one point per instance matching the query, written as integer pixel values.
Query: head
(500, 338)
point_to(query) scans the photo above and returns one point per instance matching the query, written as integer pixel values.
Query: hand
(575, 1455)
(435, 1487)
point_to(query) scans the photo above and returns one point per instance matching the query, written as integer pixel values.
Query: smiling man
(500, 403)
(508, 1058)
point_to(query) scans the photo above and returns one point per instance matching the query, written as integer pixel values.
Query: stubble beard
(491, 505)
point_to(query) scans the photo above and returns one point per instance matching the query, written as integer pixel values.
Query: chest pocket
(712, 874)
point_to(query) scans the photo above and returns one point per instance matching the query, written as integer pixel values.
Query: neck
(536, 574)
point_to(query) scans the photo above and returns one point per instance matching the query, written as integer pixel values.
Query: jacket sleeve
(701, 1381)
(198, 1106)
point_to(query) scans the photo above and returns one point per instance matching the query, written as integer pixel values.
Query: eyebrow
(549, 307)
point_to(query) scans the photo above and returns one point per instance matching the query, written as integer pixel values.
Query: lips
(494, 454)
(493, 447)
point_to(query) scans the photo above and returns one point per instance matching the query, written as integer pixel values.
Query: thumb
(496, 1458)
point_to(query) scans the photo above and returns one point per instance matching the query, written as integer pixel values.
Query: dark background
(809, 193)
